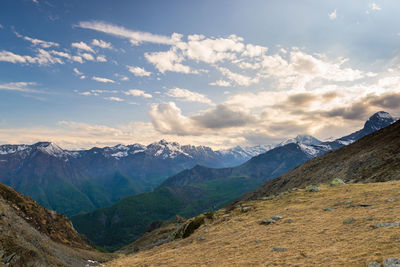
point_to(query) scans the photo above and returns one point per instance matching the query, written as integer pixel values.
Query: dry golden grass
(314, 237)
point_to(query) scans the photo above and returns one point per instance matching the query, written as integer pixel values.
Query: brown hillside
(374, 158)
(339, 226)
(31, 235)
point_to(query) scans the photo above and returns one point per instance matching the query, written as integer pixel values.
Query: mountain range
(71, 182)
(201, 188)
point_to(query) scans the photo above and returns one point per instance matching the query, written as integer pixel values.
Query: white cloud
(302, 68)
(77, 72)
(87, 56)
(42, 58)
(136, 92)
(35, 1)
(61, 54)
(168, 61)
(77, 59)
(14, 58)
(135, 37)
(209, 50)
(101, 44)
(101, 58)
(168, 118)
(333, 15)
(97, 92)
(37, 42)
(240, 79)
(221, 83)
(1, 26)
(83, 46)
(102, 80)
(374, 6)
(137, 71)
(254, 50)
(19, 87)
(113, 98)
(186, 95)
(87, 93)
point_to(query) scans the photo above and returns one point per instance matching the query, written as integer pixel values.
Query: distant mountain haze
(71, 182)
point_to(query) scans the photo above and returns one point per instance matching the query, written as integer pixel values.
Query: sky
(215, 73)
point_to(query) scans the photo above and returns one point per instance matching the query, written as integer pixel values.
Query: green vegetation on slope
(125, 221)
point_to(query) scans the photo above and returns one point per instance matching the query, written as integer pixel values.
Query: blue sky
(216, 73)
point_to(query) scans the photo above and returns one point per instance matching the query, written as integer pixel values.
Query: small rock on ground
(373, 264)
(312, 188)
(279, 249)
(267, 222)
(349, 220)
(383, 225)
(391, 262)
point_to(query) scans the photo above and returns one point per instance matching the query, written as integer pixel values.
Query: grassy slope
(314, 238)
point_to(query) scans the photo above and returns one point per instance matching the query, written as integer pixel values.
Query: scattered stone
(373, 264)
(366, 204)
(391, 262)
(337, 181)
(268, 197)
(328, 209)
(276, 218)
(245, 209)
(391, 200)
(349, 220)
(237, 219)
(369, 218)
(257, 241)
(289, 221)
(8, 258)
(201, 238)
(299, 199)
(384, 225)
(267, 222)
(312, 188)
(303, 254)
(279, 249)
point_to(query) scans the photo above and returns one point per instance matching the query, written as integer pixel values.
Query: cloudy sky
(216, 73)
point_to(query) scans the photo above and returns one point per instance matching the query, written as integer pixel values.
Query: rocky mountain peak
(378, 121)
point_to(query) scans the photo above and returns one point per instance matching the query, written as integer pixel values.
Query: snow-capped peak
(378, 121)
(51, 148)
(165, 149)
(302, 139)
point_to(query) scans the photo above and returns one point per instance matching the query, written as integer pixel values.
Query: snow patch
(309, 150)
(11, 149)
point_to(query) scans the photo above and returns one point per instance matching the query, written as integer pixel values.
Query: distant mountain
(71, 182)
(302, 139)
(200, 189)
(373, 158)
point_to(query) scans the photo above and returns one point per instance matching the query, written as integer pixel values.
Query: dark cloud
(303, 99)
(357, 111)
(223, 116)
(390, 101)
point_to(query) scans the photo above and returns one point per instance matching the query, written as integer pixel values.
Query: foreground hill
(201, 189)
(375, 157)
(34, 236)
(71, 182)
(346, 225)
